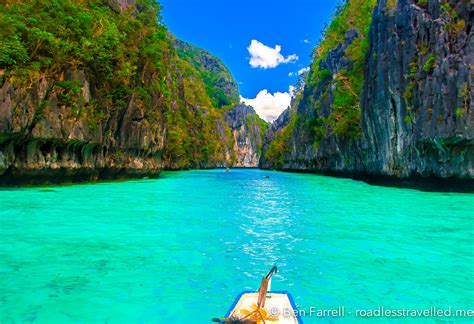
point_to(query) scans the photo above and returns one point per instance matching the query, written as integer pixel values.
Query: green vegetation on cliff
(196, 136)
(100, 58)
(332, 92)
(48, 37)
(219, 83)
(123, 55)
(345, 84)
(260, 124)
(281, 144)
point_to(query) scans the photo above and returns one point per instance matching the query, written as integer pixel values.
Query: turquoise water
(180, 248)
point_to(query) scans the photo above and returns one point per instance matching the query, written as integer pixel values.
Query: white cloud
(291, 74)
(292, 91)
(269, 106)
(306, 41)
(266, 57)
(303, 70)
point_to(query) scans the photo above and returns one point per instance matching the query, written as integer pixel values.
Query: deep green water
(179, 248)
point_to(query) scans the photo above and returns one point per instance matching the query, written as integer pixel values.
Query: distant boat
(227, 169)
(262, 306)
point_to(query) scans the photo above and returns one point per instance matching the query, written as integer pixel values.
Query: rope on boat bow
(258, 314)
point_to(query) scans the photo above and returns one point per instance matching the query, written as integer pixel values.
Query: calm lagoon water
(180, 248)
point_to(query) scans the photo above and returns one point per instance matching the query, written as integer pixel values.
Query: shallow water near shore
(180, 248)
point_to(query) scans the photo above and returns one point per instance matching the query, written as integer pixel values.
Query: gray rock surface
(44, 140)
(333, 154)
(427, 133)
(432, 134)
(247, 133)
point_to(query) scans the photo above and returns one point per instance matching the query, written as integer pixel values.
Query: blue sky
(227, 27)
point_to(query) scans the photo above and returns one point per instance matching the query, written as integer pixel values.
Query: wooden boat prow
(279, 306)
(262, 306)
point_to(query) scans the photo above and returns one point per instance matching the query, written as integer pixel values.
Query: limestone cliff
(103, 91)
(242, 129)
(412, 116)
(44, 139)
(219, 83)
(418, 116)
(247, 130)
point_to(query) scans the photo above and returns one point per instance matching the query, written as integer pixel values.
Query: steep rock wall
(302, 148)
(219, 83)
(44, 139)
(103, 91)
(247, 132)
(416, 110)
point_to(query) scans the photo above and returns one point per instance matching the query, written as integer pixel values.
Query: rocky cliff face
(219, 83)
(67, 117)
(128, 103)
(416, 113)
(247, 133)
(418, 117)
(43, 139)
(233, 131)
(240, 128)
(269, 138)
(303, 147)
